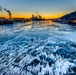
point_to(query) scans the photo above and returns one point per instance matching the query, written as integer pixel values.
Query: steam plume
(0, 8)
(8, 11)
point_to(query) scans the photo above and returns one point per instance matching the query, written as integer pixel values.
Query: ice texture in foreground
(45, 49)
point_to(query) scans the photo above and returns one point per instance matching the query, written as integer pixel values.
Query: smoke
(0, 8)
(8, 11)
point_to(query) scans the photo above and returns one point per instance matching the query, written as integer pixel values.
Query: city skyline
(48, 9)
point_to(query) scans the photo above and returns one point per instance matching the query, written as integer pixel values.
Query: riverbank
(4, 21)
(67, 19)
(65, 22)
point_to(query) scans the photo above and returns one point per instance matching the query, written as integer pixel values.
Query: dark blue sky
(47, 8)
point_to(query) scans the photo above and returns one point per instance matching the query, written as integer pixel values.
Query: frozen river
(38, 48)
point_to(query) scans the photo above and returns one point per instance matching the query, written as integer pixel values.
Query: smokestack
(8, 11)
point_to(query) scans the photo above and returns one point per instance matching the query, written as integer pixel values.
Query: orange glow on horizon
(28, 15)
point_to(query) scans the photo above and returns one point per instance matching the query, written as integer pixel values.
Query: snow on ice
(48, 49)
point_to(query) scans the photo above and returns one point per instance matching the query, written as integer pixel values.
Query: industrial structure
(37, 17)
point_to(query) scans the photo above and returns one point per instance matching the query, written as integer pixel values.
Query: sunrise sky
(47, 8)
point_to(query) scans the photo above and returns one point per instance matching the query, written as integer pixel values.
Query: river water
(38, 48)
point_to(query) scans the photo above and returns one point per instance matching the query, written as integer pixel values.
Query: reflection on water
(34, 24)
(22, 25)
(17, 28)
